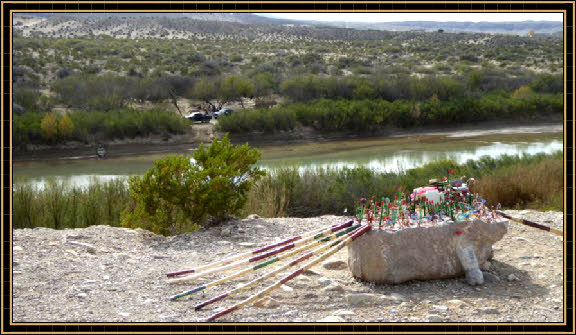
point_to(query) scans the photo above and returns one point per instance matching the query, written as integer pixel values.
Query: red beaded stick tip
(211, 301)
(220, 314)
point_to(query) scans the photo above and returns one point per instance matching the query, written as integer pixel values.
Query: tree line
(376, 114)
(88, 127)
(103, 104)
(105, 92)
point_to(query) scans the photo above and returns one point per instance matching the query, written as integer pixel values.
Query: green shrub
(178, 195)
(514, 181)
(26, 129)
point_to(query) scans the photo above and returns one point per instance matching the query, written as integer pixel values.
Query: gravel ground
(106, 274)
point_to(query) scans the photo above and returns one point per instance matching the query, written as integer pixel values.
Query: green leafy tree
(304, 88)
(180, 195)
(363, 91)
(234, 88)
(205, 89)
(263, 84)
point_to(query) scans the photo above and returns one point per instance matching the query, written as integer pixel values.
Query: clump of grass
(536, 185)
(60, 205)
(269, 200)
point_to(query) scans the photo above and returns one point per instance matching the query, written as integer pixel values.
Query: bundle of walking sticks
(314, 246)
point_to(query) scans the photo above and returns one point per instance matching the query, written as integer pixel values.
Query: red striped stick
(532, 224)
(330, 252)
(261, 256)
(274, 272)
(340, 235)
(257, 251)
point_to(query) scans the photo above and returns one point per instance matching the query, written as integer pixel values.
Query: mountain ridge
(505, 27)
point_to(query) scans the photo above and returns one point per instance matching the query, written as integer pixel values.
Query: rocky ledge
(107, 274)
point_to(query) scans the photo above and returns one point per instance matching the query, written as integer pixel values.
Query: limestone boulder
(425, 253)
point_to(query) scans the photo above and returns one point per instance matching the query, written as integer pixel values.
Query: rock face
(444, 251)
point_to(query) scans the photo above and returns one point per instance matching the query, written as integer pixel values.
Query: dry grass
(267, 200)
(536, 186)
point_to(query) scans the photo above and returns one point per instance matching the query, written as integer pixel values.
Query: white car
(223, 111)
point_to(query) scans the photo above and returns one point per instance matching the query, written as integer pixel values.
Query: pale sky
(395, 17)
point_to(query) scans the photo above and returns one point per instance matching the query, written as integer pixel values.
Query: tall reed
(60, 205)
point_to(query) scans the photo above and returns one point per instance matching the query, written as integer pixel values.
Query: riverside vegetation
(516, 182)
(115, 77)
(372, 115)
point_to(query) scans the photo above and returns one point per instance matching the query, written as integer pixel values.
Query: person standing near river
(101, 151)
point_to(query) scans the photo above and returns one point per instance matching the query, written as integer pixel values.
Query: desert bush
(91, 92)
(537, 184)
(26, 97)
(180, 195)
(547, 83)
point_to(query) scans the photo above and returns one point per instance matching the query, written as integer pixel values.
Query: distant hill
(520, 28)
(221, 17)
(540, 27)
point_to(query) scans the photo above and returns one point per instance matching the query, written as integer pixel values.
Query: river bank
(204, 133)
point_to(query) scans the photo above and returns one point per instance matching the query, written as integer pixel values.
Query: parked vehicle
(223, 111)
(199, 117)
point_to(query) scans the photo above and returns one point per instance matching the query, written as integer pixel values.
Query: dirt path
(122, 278)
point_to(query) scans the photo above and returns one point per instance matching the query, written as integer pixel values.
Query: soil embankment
(106, 274)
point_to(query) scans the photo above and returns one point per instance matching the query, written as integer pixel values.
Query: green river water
(380, 154)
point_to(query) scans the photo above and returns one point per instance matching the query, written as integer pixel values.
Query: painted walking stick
(532, 224)
(257, 251)
(262, 264)
(381, 214)
(336, 246)
(276, 271)
(261, 256)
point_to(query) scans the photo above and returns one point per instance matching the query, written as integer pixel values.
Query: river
(380, 154)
